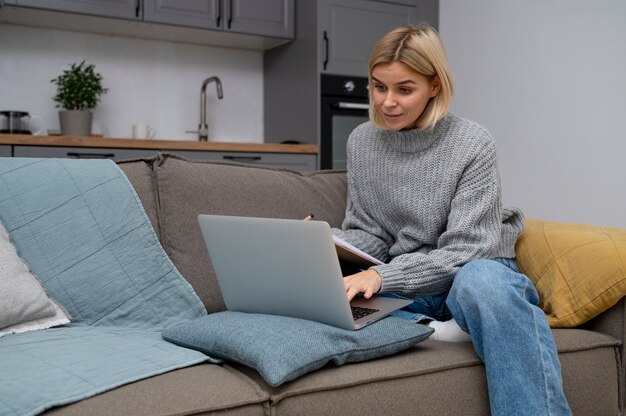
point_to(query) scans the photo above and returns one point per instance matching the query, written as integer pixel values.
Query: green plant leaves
(78, 88)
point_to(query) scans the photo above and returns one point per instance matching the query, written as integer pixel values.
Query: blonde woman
(424, 197)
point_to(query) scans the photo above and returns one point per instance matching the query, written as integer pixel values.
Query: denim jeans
(497, 306)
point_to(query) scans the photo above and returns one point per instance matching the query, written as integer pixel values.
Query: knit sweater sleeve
(473, 231)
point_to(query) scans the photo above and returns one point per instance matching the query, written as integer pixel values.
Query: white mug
(39, 122)
(143, 131)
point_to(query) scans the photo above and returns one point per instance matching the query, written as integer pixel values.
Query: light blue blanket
(81, 228)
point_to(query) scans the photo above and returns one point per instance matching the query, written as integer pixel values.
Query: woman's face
(401, 94)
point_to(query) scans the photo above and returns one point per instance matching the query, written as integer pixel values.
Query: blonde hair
(420, 48)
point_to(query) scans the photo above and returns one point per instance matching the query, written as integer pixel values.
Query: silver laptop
(285, 267)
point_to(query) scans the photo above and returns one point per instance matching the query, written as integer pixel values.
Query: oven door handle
(353, 106)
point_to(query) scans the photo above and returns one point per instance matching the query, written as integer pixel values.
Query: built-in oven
(344, 106)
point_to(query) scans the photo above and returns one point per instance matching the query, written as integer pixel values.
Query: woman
(424, 197)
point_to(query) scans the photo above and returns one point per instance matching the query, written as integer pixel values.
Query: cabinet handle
(246, 158)
(352, 106)
(230, 13)
(91, 155)
(137, 9)
(326, 50)
(219, 12)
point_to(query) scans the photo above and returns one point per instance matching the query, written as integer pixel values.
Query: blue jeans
(497, 306)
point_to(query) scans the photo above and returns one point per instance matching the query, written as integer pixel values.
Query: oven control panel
(344, 86)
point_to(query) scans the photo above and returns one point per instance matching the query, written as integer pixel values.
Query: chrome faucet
(203, 129)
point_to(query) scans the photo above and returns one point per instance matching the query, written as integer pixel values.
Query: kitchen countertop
(157, 144)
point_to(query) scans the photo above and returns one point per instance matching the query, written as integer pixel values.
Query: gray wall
(548, 79)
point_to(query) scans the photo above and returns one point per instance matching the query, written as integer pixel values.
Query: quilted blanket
(81, 228)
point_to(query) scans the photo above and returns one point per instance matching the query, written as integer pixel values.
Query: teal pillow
(282, 349)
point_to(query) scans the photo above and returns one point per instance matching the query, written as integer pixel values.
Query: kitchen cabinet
(349, 29)
(405, 2)
(243, 24)
(301, 162)
(296, 157)
(123, 9)
(199, 13)
(267, 17)
(80, 152)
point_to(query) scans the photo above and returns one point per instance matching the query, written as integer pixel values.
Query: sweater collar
(416, 140)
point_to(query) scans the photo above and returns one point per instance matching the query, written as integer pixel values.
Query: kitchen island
(293, 156)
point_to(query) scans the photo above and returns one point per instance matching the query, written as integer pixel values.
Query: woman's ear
(435, 86)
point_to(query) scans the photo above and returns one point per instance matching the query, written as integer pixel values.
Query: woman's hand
(368, 282)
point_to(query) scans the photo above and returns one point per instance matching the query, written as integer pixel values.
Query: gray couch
(430, 378)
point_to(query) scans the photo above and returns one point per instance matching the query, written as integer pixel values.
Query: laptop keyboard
(359, 312)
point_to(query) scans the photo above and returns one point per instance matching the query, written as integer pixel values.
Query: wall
(149, 81)
(548, 79)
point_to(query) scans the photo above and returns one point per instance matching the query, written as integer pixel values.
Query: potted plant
(78, 91)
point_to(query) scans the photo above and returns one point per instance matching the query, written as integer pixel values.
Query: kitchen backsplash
(152, 82)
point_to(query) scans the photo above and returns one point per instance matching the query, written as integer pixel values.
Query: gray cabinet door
(255, 17)
(261, 17)
(5, 150)
(407, 2)
(349, 29)
(81, 152)
(206, 14)
(124, 9)
(295, 161)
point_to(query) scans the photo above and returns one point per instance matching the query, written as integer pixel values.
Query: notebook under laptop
(284, 267)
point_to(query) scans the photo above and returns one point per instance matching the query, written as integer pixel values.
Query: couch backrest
(180, 189)
(139, 173)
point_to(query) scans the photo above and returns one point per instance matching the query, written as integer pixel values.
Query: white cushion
(24, 305)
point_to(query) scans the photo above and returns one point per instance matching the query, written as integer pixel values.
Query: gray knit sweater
(426, 202)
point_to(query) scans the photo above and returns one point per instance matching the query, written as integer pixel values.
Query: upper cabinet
(349, 28)
(247, 24)
(123, 9)
(267, 17)
(204, 14)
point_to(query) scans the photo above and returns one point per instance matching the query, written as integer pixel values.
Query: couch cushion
(579, 270)
(200, 390)
(139, 173)
(418, 381)
(436, 377)
(282, 349)
(24, 304)
(187, 188)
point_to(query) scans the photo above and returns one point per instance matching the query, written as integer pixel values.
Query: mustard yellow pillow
(579, 270)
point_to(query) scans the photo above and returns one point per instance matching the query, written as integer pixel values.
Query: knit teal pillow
(282, 349)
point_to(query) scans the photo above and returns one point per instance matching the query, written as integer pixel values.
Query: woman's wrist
(379, 280)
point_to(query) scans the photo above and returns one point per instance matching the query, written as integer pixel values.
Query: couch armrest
(613, 323)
